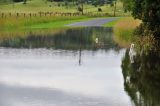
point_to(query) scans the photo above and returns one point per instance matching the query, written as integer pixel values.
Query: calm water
(68, 68)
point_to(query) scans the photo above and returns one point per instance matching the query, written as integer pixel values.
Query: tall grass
(124, 30)
(22, 33)
(23, 22)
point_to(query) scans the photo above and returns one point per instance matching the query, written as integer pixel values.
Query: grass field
(19, 15)
(15, 23)
(34, 6)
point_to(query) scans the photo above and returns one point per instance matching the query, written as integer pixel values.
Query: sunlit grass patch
(124, 30)
(22, 33)
(112, 23)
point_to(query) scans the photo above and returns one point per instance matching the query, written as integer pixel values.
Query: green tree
(81, 8)
(149, 12)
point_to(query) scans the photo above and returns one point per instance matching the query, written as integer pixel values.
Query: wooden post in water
(80, 49)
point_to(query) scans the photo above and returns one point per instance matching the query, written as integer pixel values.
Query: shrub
(99, 10)
(80, 9)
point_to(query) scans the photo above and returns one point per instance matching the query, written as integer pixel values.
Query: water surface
(67, 68)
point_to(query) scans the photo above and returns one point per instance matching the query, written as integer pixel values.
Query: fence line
(49, 14)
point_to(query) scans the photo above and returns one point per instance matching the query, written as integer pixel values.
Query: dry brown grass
(124, 29)
(22, 33)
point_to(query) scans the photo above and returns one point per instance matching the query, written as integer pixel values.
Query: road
(94, 22)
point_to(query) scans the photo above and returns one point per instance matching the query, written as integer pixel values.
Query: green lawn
(112, 23)
(58, 24)
(14, 23)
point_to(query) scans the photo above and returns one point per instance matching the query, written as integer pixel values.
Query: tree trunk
(115, 6)
(82, 8)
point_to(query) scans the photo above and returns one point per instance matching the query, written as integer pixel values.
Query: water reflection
(142, 78)
(40, 70)
(75, 39)
(69, 39)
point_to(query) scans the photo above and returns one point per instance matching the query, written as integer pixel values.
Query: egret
(96, 40)
(132, 53)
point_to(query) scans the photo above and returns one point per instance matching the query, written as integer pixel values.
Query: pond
(68, 67)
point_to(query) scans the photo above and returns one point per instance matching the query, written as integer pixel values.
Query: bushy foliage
(80, 9)
(99, 10)
(148, 11)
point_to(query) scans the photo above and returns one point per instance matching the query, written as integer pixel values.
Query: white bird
(132, 53)
(96, 40)
(127, 79)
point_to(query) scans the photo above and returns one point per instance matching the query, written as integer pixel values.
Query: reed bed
(124, 30)
(22, 33)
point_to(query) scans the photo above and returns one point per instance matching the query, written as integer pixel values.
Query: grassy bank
(22, 33)
(112, 23)
(12, 23)
(124, 30)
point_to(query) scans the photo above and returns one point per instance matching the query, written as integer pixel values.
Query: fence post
(10, 14)
(17, 14)
(40, 14)
(2, 15)
(30, 15)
